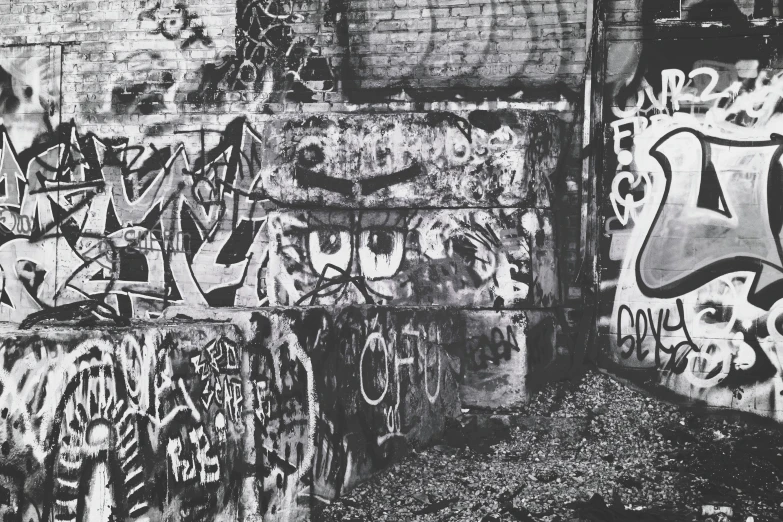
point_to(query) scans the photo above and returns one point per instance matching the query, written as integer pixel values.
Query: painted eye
(311, 155)
(329, 246)
(380, 252)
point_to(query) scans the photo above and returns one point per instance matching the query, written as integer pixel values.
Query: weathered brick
(450, 23)
(466, 11)
(404, 14)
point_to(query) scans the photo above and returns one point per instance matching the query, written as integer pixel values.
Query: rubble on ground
(595, 451)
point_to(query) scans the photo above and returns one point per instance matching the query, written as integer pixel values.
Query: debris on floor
(595, 451)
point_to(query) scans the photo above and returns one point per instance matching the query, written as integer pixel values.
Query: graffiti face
(29, 92)
(399, 258)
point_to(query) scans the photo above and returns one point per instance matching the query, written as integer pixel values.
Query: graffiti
(493, 32)
(625, 205)
(333, 391)
(151, 84)
(140, 228)
(11, 491)
(107, 416)
(270, 58)
(482, 350)
(29, 92)
(215, 365)
(228, 309)
(401, 257)
(657, 325)
(699, 89)
(482, 158)
(79, 190)
(712, 87)
(722, 95)
(196, 464)
(414, 216)
(733, 183)
(174, 21)
(375, 348)
(494, 348)
(694, 232)
(706, 353)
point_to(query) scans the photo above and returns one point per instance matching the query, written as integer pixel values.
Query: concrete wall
(691, 257)
(379, 201)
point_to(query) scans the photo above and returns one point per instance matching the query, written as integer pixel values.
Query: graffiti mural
(108, 425)
(278, 230)
(692, 252)
(86, 219)
(224, 301)
(202, 422)
(81, 189)
(270, 53)
(444, 257)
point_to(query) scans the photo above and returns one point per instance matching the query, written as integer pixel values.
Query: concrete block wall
(400, 197)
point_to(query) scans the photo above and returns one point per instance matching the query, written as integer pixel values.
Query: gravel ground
(591, 451)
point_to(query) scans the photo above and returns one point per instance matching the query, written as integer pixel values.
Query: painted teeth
(96, 419)
(138, 509)
(68, 484)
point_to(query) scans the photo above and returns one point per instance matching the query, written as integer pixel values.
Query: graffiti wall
(200, 422)
(507, 44)
(84, 219)
(242, 270)
(691, 253)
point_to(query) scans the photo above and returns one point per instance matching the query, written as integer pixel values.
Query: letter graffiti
(658, 326)
(215, 366)
(699, 259)
(138, 270)
(417, 349)
(398, 257)
(482, 350)
(717, 197)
